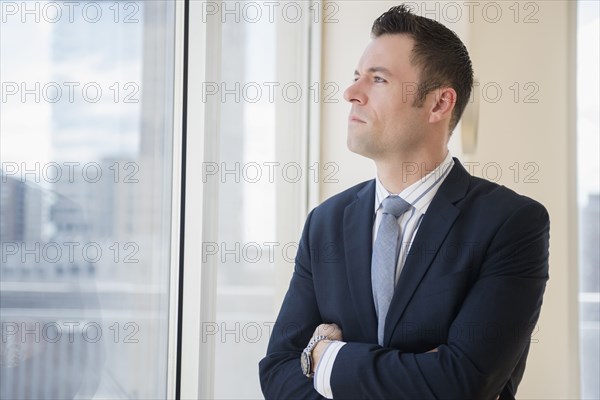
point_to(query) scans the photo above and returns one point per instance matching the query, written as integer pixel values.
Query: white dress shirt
(419, 196)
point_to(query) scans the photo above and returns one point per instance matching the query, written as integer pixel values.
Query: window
(255, 95)
(90, 192)
(87, 168)
(247, 208)
(588, 196)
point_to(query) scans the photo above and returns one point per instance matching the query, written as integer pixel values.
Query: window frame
(192, 359)
(177, 205)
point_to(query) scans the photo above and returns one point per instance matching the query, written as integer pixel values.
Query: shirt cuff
(322, 376)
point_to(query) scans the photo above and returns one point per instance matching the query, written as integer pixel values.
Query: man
(426, 282)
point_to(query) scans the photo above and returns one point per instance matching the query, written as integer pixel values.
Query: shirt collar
(420, 193)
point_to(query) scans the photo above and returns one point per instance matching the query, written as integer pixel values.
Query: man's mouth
(354, 118)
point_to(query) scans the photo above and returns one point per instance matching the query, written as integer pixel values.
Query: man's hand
(333, 332)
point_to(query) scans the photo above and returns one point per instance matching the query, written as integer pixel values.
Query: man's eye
(355, 79)
(379, 79)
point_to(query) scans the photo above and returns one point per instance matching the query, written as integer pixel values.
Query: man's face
(383, 122)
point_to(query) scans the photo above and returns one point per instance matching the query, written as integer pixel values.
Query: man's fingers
(332, 331)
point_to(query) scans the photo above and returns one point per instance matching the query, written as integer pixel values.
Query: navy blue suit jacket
(471, 286)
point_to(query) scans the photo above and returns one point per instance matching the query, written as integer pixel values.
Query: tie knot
(395, 206)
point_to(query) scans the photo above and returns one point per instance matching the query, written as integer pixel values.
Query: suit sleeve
(280, 372)
(487, 339)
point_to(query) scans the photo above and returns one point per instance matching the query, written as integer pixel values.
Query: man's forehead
(386, 53)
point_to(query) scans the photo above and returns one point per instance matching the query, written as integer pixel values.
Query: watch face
(305, 363)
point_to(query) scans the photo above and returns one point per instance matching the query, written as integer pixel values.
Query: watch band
(306, 359)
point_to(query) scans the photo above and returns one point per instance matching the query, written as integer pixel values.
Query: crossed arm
(474, 365)
(333, 333)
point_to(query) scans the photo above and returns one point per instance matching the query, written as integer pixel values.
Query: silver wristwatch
(306, 360)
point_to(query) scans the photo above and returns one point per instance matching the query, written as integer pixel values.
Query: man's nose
(355, 93)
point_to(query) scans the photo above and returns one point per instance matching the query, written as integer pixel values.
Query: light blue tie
(385, 258)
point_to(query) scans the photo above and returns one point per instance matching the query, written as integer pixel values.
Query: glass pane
(86, 151)
(588, 144)
(246, 216)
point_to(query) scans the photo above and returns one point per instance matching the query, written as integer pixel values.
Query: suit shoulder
(501, 198)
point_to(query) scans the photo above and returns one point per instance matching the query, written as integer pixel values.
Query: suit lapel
(358, 232)
(434, 227)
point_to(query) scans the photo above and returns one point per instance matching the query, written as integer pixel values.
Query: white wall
(539, 54)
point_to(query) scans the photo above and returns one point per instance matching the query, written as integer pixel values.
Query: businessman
(425, 282)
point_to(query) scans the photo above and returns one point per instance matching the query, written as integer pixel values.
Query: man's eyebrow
(375, 70)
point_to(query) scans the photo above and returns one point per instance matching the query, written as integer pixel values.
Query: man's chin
(358, 147)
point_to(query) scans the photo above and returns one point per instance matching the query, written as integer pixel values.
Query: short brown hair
(438, 52)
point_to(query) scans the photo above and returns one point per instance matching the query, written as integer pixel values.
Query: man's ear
(444, 101)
